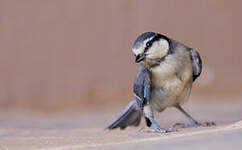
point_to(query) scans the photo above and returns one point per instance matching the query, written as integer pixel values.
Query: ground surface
(72, 131)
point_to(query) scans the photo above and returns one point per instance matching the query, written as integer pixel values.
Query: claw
(183, 125)
(171, 129)
(157, 130)
(160, 130)
(208, 124)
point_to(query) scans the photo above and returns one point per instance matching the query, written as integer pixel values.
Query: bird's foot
(157, 130)
(184, 125)
(154, 130)
(207, 124)
(161, 130)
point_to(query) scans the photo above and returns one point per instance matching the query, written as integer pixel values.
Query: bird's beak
(139, 58)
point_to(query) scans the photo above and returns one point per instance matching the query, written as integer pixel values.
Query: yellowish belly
(169, 95)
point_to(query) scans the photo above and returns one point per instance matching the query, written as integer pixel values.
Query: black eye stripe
(156, 37)
(149, 43)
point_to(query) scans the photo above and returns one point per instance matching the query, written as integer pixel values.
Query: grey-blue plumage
(142, 84)
(196, 63)
(132, 114)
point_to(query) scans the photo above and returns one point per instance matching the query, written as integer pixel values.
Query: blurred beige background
(76, 55)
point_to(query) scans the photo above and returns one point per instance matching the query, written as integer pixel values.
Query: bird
(164, 79)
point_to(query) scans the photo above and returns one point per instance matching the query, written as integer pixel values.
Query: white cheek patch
(158, 49)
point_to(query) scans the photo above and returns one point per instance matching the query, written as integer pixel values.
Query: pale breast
(171, 81)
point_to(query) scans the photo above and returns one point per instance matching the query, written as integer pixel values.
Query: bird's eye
(148, 44)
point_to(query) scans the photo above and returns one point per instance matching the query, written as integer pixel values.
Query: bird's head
(150, 47)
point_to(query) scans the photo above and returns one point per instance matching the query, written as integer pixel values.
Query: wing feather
(142, 84)
(196, 64)
(131, 115)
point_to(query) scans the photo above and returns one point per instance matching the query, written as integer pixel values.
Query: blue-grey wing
(196, 63)
(131, 115)
(142, 84)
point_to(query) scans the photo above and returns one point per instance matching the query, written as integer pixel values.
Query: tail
(131, 115)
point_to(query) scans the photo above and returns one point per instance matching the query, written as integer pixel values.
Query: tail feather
(131, 115)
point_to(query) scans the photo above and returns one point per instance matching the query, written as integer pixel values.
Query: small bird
(164, 79)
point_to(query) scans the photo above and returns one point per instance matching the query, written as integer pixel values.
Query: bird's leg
(150, 121)
(156, 128)
(192, 120)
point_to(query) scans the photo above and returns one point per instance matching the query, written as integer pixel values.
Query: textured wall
(59, 55)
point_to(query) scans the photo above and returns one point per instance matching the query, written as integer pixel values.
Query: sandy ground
(73, 131)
